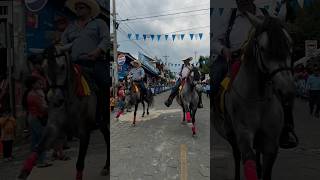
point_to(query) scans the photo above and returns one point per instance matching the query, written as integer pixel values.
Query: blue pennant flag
(191, 36)
(173, 36)
(182, 36)
(152, 36)
(200, 35)
(266, 7)
(221, 11)
(129, 36)
(211, 11)
(159, 36)
(137, 36)
(144, 37)
(166, 37)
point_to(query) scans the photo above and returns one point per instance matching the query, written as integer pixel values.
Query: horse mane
(278, 44)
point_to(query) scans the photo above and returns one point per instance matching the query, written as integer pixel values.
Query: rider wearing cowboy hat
(184, 72)
(233, 31)
(137, 74)
(89, 38)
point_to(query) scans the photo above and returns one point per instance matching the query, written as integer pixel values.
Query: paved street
(62, 170)
(155, 148)
(295, 164)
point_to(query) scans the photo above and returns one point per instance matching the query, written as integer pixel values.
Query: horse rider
(137, 75)
(233, 31)
(184, 72)
(89, 38)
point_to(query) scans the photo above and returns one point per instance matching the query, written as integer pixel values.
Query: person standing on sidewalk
(8, 127)
(121, 101)
(313, 87)
(36, 105)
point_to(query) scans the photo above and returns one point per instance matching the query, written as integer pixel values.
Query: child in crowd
(121, 101)
(8, 133)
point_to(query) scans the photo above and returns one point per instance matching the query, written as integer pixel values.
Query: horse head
(271, 46)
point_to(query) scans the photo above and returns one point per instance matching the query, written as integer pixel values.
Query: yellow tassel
(85, 86)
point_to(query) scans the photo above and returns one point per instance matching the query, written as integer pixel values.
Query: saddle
(83, 88)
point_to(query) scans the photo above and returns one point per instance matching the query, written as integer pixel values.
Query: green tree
(204, 64)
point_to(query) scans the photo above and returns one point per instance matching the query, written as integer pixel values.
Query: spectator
(36, 105)
(313, 86)
(121, 102)
(207, 89)
(8, 133)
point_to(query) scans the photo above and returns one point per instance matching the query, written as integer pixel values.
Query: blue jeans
(220, 69)
(36, 134)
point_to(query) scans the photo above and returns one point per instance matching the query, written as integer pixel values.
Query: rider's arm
(220, 26)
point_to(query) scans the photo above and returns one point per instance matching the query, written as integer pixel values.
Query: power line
(161, 15)
(169, 18)
(186, 7)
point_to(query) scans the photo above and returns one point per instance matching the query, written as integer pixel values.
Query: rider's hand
(226, 54)
(95, 54)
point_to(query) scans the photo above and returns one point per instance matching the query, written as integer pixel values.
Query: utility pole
(115, 47)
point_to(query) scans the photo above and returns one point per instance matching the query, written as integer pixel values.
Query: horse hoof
(142, 116)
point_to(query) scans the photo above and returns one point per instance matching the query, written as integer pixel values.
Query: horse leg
(245, 141)
(184, 115)
(106, 131)
(194, 121)
(258, 162)
(143, 105)
(148, 108)
(135, 114)
(270, 152)
(236, 158)
(84, 142)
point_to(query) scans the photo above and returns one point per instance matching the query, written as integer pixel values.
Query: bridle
(263, 68)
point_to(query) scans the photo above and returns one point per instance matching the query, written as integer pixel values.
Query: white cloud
(175, 50)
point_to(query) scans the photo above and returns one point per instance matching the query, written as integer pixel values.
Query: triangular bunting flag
(152, 36)
(166, 37)
(137, 36)
(182, 36)
(144, 37)
(191, 36)
(159, 36)
(200, 35)
(173, 36)
(129, 36)
(196, 36)
(221, 11)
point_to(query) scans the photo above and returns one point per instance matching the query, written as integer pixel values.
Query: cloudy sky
(185, 23)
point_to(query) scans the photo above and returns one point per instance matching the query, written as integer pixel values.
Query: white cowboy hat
(135, 62)
(188, 59)
(94, 6)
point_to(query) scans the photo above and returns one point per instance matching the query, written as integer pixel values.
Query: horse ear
(254, 19)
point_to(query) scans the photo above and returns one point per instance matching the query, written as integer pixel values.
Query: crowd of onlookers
(307, 82)
(34, 103)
